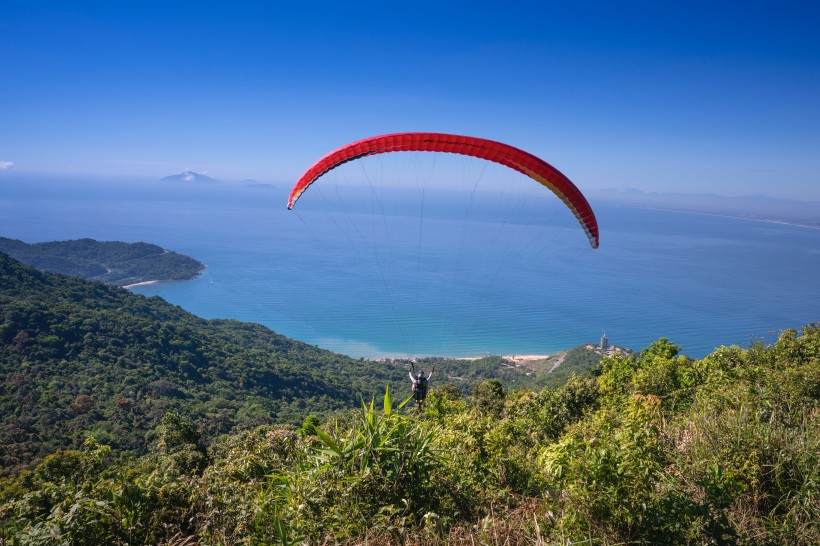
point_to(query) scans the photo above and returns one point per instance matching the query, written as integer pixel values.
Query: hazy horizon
(800, 211)
(696, 98)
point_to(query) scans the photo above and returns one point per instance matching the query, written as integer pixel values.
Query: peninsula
(111, 262)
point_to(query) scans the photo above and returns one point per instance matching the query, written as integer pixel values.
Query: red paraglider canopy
(504, 154)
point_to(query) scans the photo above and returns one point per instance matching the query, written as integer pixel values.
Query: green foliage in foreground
(109, 262)
(653, 449)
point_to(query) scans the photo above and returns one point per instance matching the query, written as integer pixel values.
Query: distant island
(189, 176)
(113, 262)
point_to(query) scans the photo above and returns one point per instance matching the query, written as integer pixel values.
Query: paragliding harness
(420, 384)
(420, 390)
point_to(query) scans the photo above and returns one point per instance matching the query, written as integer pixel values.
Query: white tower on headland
(604, 343)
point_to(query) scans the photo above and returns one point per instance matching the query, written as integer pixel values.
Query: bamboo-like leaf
(388, 403)
(326, 455)
(406, 400)
(328, 441)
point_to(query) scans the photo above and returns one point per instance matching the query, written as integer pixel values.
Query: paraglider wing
(506, 155)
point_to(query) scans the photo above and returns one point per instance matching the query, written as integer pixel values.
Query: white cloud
(6, 165)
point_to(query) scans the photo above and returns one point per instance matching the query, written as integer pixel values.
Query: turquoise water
(413, 273)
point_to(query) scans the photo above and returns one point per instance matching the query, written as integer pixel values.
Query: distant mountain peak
(189, 176)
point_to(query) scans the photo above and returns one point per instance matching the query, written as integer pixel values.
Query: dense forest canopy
(110, 262)
(652, 448)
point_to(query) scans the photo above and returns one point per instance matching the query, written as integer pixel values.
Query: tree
(489, 397)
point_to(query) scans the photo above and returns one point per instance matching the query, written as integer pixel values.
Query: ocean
(373, 271)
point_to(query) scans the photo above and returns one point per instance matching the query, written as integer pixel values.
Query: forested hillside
(111, 262)
(80, 358)
(653, 448)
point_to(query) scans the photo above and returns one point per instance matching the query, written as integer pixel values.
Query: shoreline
(143, 283)
(517, 359)
(155, 281)
(738, 216)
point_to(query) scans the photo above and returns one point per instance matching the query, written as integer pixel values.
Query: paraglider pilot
(420, 384)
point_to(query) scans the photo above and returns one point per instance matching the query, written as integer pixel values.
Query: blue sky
(719, 97)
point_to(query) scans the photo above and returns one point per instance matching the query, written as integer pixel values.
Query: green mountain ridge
(111, 262)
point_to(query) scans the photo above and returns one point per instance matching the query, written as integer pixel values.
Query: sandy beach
(525, 359)
(143, 283)
(517, 359)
